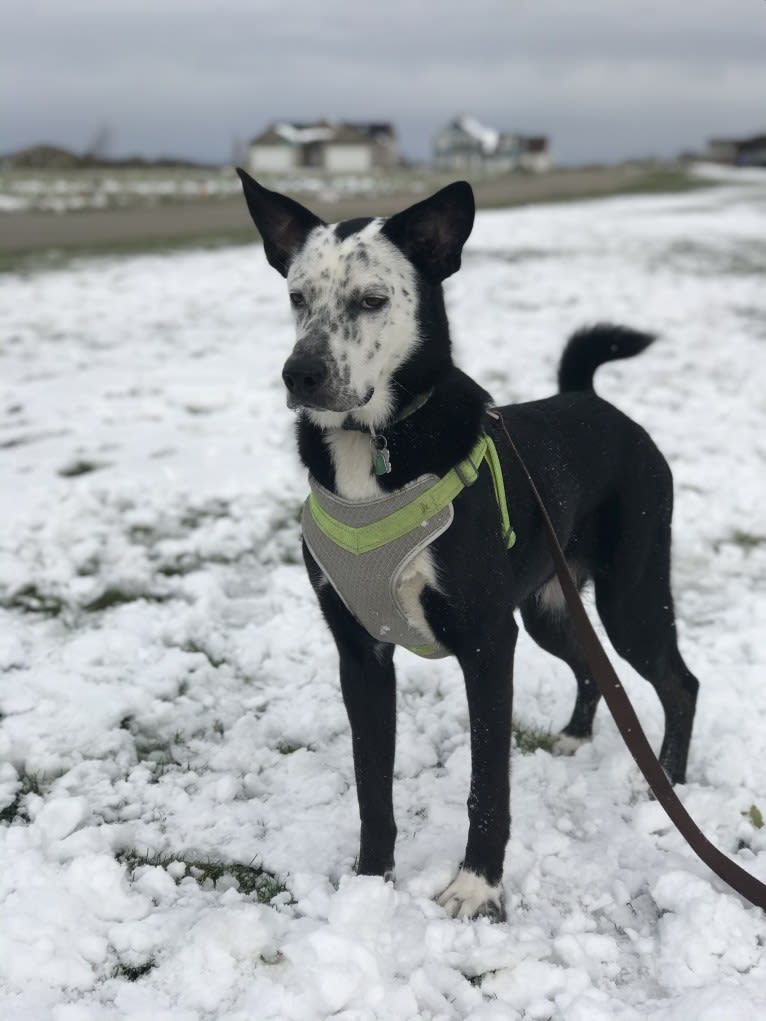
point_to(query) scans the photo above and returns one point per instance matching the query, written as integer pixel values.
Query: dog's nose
(304, 374)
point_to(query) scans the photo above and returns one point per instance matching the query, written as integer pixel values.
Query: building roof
(488, 138)
(292, 133)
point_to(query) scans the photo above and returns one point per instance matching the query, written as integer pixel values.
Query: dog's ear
(283, 223)
(432, 232)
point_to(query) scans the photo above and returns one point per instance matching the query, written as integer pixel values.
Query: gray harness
(364, 547)
(367, 582)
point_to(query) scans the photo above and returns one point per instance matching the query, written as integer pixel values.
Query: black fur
(588, 349)
(609, 493)
(346, 228)
(284, 223)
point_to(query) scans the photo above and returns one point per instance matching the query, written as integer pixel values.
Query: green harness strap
(393, 526)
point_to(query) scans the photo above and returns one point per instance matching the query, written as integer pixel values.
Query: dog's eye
(297, 300)
(371, 302)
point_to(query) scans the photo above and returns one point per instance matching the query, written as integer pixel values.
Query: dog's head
(366, 296)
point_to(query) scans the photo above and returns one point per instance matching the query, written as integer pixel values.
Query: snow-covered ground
(169, 697)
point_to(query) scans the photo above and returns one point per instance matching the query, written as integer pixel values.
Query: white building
(335, 148)
(465, 144)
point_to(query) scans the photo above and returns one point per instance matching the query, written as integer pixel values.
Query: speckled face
(353, 294)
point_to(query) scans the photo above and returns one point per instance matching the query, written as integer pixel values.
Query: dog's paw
(471, 896)
(565, 744)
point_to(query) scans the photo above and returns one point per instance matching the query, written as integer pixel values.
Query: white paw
(471, 896)
(565, 744)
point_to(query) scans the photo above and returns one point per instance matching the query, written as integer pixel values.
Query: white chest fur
(354, 480)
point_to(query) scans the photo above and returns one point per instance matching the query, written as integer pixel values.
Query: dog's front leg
(488, 671)
(368, 683)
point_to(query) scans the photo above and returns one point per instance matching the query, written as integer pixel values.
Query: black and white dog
(372, 338)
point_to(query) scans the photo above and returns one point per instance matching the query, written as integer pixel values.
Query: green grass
(653, 182)
(528, 738)
(33, 260)
(79, 467)
(251, 880)
(755, 817)
(113, 596)
(747, 541)
(31, 599)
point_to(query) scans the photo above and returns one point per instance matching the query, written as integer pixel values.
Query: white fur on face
(362, 348)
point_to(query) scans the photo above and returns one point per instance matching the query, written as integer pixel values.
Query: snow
(488, 137)
(169, 694)
(303, 136)
(77, 190)
(728, 173)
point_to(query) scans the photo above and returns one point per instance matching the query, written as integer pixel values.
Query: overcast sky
(605, 79)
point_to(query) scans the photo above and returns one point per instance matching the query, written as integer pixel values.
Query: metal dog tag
(381, 458)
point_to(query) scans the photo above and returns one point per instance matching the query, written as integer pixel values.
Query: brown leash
(625, 717)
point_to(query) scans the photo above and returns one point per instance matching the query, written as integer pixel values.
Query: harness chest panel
(367, 581)
(363, 547)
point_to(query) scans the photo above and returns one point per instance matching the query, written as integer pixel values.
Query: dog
(381, 405)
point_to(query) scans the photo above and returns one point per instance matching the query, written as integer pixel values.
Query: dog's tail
(594, 345)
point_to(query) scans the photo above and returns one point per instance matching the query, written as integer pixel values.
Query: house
(337, 148)
(465, 144)
(740, 152)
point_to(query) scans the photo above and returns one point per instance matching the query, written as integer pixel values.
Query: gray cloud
(605, 79)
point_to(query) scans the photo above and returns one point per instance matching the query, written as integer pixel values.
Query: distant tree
(100, 143)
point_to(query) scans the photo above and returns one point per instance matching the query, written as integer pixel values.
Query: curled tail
(594, 345)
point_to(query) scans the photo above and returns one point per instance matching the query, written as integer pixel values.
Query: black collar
(408, 410)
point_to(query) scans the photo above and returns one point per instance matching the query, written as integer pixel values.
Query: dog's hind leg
(635, 603)
(547, 621)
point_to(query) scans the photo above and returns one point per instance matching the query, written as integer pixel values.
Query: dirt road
(225, 220)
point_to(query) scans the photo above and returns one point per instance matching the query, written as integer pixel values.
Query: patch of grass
(79, 467)
(31, 599)
(288, 748)
(188, 563)
(185, 564)
(529, 738)
(210, 509)
(662, 181)
(30, 784)
(142, 534)
(755, 816)
(132, 972)
(59, 255)
(747, 540)
(113, 596)
(252, 880)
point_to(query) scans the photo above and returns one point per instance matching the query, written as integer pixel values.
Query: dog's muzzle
(311, 384)
(305, 377)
